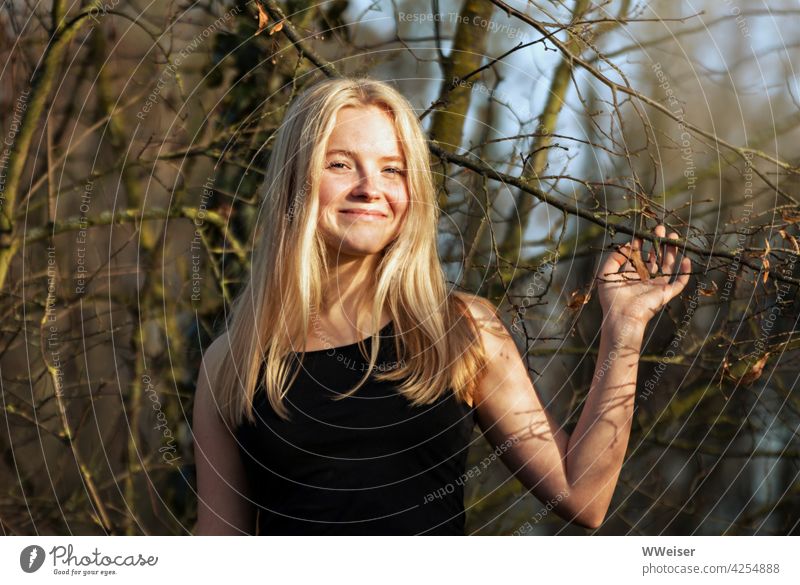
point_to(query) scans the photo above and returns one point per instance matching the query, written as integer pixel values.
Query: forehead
(365, 130)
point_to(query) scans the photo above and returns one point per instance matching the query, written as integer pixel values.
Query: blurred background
(134, 139)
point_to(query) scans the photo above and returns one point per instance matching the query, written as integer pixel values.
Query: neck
(348, 290)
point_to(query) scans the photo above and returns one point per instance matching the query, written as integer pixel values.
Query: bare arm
(223, 507)
(577, 473)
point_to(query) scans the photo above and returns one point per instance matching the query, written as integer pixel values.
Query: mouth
(368, 214)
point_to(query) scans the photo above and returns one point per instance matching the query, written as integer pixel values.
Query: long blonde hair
(437, 342)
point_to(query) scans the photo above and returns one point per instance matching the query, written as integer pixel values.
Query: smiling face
(363, 191)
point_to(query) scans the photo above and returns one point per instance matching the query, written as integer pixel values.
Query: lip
(365, 213)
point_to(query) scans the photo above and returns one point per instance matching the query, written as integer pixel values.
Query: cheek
(401, 208)
(328, 191)
(400, 202)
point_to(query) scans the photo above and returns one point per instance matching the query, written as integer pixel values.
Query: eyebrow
(352, 154)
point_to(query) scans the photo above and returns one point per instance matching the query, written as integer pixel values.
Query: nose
(367, 186)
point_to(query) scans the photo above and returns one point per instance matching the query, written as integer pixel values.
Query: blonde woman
(342, 396)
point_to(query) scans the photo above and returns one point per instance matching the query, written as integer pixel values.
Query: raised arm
(223, 506)
(576, 473)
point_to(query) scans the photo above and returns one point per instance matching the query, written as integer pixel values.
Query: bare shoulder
(214, 354)
(489, 323)
(222, 485)
(209, 366)
(503, 361)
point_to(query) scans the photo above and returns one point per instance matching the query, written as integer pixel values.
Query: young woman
(341, 398)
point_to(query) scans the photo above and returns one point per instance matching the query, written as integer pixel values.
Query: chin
(365, 251)
(365, 248)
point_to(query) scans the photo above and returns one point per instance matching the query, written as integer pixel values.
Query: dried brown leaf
(638, 264)
(577, 299)
(791, 238)
(790, 215)
(755, 371)
(263, 18)
(708, 292)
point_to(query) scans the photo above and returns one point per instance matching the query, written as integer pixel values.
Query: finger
(607, 274)
(669, 252)
(652, 260)
(637, 243)
(609, 269)
(639, 266)
(661, 231)
(620, 255)
(683, 278)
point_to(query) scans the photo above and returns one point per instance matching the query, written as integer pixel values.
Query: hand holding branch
(630, 288)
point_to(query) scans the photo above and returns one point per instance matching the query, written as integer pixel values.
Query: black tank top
(371, 463)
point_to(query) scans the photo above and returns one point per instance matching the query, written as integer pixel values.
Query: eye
(394, 170)
(337, 165)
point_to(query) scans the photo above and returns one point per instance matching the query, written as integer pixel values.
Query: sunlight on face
(363, 192)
